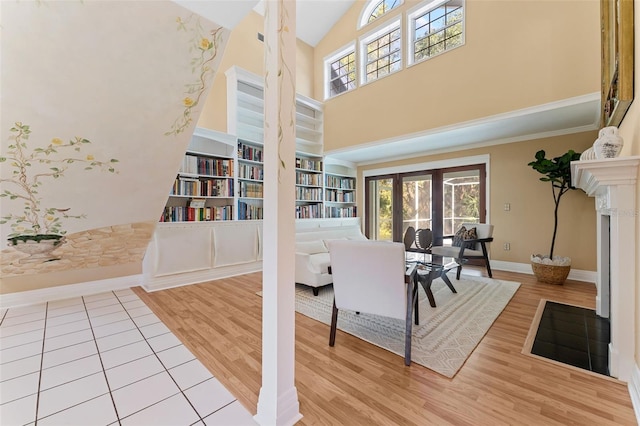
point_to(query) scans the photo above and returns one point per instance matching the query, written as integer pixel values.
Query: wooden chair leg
(334, 324)
(315, 291)
(486, 259)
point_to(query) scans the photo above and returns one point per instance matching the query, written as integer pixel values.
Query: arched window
(375, 9)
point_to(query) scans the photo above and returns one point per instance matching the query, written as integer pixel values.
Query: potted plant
(37, 230)
(549, 268)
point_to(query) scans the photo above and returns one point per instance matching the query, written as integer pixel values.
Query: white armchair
(469, 247)
(372, 277)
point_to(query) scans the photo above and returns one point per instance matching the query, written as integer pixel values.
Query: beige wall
(528, 226)
(246, 51)
(630, 132)
(517, 54)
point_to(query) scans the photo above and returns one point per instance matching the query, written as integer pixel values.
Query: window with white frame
(340, 71)
(375, 9)
(381, 52)
(435, 28)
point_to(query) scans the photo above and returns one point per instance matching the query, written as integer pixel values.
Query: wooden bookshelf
(204, 186)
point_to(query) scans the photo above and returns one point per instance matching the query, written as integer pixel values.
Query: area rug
(447, 334)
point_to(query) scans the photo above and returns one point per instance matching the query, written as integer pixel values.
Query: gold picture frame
(617, 59)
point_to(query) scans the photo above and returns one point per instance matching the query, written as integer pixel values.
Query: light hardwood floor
(357, 383)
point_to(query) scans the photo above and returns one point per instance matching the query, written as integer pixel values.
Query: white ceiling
(315, 18)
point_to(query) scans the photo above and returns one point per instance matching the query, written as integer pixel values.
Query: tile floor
(573, 335)
(104, 359)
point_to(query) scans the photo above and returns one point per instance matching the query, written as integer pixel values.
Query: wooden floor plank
(358, 383)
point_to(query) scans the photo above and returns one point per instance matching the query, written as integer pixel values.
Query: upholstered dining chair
(471, 241)
(409, 239)
(372, 277)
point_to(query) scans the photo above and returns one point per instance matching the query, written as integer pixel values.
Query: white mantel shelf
(593, 176)
(613, 184)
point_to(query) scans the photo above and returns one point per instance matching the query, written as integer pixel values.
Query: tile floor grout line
(101, 362)
(44, 341)
(160, 360)
(586, 332)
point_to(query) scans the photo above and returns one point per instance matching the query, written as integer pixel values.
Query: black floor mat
(573, 335)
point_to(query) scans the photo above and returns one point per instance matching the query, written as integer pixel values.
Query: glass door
(416, 201)
(379, 200)
(438, 199)
(462, 199)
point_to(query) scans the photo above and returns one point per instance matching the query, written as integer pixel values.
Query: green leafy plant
(557, 171)
(24, 184)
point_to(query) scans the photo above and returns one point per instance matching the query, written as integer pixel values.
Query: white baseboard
(32, 297)
(634, 391)
(177, 280)
(525, 268)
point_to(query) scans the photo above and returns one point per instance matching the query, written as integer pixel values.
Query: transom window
(375, 9)
(436, 28)
(381, 52)
(340, 72)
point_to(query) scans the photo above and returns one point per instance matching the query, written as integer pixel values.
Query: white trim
(338, 54)
(367, 10)
(430, 165)
(32, 297)
(196, 277)
(389, 26)
(634, 391)
(417, 136)
(525, 268)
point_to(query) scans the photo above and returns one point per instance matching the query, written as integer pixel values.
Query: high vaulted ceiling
(315, 18)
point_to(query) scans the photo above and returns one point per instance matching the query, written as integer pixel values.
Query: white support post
(278, 401)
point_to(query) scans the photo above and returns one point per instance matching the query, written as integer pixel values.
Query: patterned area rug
(447, 334)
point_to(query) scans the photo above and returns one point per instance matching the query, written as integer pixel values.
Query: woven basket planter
(550, 274)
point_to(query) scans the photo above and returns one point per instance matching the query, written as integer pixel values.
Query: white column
(278, 402)
(622, 260)
(613, 182)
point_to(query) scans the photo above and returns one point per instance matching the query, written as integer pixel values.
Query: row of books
(250, 189)
(308, 179)
(308, 194)
(249, 152)
(339, 196)
(305, 163)
(190, 214)
(340, 182)
(249, 212)
(203, 188)
(249, 171)
(340, 211)
(206, 166)
(312, 211)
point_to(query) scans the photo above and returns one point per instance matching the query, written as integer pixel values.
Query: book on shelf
(191, 214)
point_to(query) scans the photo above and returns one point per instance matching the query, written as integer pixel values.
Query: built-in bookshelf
(204, 186)
(250, 178)
(309, 187)
(321, 191)
(339, 190)
(245, 112)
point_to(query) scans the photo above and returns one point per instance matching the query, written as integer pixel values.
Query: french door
(439, 199)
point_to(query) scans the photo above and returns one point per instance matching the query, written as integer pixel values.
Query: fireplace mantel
(613, 183)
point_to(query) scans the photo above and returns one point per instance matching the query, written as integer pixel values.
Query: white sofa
(312, 254)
